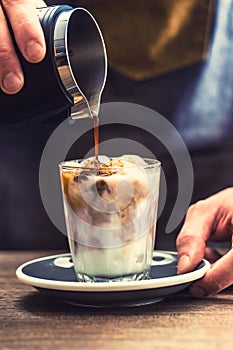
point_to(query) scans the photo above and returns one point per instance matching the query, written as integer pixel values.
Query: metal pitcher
(72, 75)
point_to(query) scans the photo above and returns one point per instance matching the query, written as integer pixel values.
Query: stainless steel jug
(71, 77)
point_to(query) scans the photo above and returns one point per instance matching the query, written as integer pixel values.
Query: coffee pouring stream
(70, 79)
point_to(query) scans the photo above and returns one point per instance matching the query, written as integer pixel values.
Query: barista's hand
(210, 219)
(29, 37)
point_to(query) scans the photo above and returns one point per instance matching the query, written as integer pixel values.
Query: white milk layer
(133, 258)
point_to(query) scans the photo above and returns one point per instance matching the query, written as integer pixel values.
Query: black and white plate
(55, 275)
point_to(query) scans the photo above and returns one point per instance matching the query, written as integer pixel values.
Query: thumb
(191, 249)
(219, 277)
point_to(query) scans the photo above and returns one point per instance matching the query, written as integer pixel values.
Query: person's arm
(207, 220)
(29, 36)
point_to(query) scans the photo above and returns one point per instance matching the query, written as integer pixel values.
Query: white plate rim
(106, 286)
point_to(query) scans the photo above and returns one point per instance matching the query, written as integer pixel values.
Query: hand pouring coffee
(71, 77)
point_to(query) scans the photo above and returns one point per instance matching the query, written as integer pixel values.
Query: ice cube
(103, 159)
(134, 159)
(92, 163)
(72, 163)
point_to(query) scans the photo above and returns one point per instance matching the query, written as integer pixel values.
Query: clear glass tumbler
(111, 214)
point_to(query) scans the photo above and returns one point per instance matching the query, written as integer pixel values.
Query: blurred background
(173, 56)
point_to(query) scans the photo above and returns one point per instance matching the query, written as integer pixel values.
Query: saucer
(55, 276)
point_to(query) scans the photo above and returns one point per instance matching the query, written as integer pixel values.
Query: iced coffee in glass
(110, 210)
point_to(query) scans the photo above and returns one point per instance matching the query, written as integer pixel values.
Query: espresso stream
(96, 137)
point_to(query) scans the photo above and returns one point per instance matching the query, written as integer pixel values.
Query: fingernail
(34, 51)
(183, 263)
(12, 83)
(197, 292)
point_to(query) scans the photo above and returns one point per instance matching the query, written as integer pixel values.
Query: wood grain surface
(29, 320)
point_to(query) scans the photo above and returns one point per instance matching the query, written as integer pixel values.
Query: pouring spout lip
(88, 110)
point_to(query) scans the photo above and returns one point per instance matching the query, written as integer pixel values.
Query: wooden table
(30, 320)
